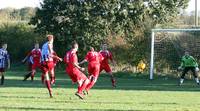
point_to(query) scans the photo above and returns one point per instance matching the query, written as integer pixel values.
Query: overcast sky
(36, 3)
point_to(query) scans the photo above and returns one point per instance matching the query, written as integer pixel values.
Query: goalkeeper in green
(188, 63)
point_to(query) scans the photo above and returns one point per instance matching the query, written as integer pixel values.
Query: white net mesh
(169, 47)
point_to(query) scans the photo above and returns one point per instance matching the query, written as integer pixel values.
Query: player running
(188, 63)
(35, 58)
(93, 58)
(107, 55)
(4, 61)
(74, 71)
(47, 61)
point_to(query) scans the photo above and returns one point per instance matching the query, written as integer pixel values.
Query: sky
(35, 3)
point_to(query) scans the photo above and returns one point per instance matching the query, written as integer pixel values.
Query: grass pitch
(132, 93)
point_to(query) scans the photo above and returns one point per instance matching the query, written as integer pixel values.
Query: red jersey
(36, 55)
(93, 57)
(71, 58)
(106, 55)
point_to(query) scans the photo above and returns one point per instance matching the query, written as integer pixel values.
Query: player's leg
(194, 72)
(185, 70)
(33, 74)
(2, 76)
(92, 81)
(109, 71)
(81, 86)
(82, 83)
(33, 69)
(52, 76)
(46, 67)
(26, 76)
(42, 77)
(48, 84)
(43, 74)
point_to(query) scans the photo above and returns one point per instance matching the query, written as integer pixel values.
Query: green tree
(91, 21)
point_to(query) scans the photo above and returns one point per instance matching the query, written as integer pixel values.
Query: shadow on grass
(125, 81)
(58, 109)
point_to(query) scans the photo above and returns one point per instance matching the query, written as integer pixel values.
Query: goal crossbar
(153, 31)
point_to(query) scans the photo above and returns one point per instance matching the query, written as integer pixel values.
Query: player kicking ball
(74, 71)
(188, 63)
(47, 61)
(4, 61)
(35, 56)
(107, 55)
(93, 58)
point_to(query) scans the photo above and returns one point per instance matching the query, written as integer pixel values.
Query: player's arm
(111, 59)
(182, 64)
(83, 61)
(57, 58)
(24, 60)
(194, 60)
(77, 64)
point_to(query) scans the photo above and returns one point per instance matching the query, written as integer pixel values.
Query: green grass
(132, 93)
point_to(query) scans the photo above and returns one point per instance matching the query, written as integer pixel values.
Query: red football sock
(113, 80)
(90, 85)
(83, 86)
(32, 76)
(52, 80)
(48, 85)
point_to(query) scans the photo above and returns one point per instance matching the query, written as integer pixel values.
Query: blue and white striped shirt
(4, 57)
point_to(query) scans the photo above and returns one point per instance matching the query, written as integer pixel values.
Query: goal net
(169, 45)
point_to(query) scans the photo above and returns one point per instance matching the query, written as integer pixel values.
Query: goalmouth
(153, 32)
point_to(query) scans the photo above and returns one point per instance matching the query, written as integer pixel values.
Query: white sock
(197, 80)
(181, 81)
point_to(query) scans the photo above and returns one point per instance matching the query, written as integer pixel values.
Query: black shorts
(2, 69)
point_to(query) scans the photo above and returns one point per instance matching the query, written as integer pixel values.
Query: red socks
(48, 85)
(90, 85)
(83, 86)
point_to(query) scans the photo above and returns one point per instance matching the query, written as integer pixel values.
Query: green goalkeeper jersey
(188, 61)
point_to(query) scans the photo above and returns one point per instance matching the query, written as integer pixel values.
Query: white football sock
(197, 80)
(181, 81)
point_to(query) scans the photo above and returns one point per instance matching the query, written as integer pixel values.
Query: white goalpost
(153, 34)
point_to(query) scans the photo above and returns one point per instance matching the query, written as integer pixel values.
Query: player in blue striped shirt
(4, 61)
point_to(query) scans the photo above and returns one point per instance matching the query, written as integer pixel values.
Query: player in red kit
(93, 58)
(107, 55)
(74, 71)
(35, 56)
(47, 61)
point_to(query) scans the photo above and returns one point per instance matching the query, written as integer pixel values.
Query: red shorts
(2, 69)
(75, 74)
(93, 69)
(105, 67)
(47, 66)
(36, 65)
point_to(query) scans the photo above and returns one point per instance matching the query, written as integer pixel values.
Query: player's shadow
(61, 109)
(125, 81)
